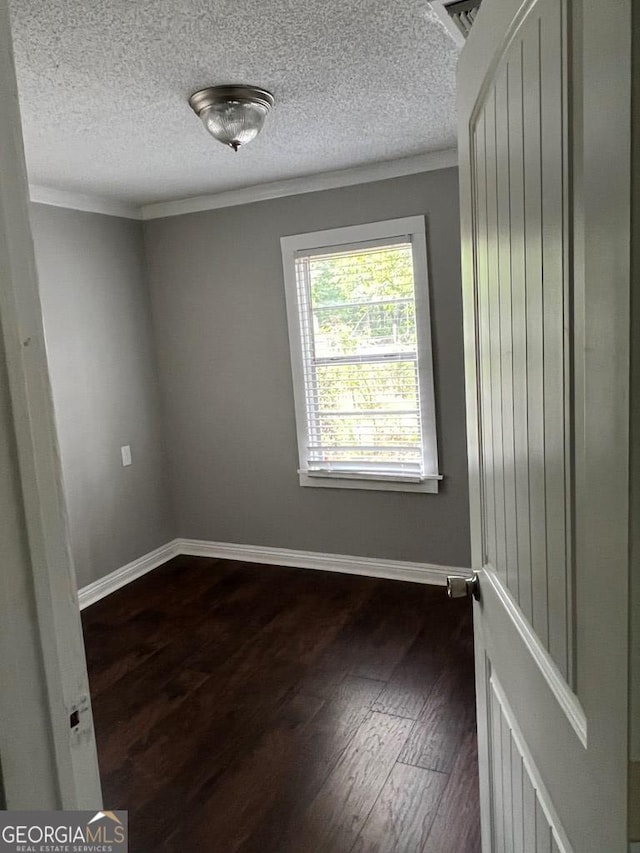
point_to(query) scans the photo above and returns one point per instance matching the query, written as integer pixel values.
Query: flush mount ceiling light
(234, 115)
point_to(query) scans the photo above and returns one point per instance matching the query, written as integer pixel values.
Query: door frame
(46, 762)
(600, 131)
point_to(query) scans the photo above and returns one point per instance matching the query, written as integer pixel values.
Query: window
(358, 310)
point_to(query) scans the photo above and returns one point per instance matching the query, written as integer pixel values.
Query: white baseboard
(398, 570)
(125, 574)
(371, 566)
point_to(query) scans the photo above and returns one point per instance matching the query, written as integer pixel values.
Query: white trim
(368, 482)
(126, 574)
(79, 201)
(530, 766)
(431, 161)
(565, 697)
(400, 570)
(46, 763)
(411, 228)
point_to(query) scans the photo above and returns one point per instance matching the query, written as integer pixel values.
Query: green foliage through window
(361, 366)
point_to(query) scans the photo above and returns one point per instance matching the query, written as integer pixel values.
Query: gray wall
(101, 355)
(219, 312)
(634, 457)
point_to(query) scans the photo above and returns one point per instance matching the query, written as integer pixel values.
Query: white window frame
(413, 227)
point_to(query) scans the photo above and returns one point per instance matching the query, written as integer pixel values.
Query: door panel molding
(527, 814)
(502, 48)
(566, 698)
(523, 276)
(572, 773)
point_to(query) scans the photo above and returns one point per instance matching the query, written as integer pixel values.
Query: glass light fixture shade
(234, 115)
(234, 123)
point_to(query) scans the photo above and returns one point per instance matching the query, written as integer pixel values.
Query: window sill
(428, 485)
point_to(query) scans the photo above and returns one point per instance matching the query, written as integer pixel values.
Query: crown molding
(80, 201)
(246, 195)
(309, 183)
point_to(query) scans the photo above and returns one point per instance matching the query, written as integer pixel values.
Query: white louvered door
(544, 108)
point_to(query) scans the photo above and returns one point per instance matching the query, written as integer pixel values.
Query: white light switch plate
(126, 455)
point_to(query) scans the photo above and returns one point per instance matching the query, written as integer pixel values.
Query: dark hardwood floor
(268, 710)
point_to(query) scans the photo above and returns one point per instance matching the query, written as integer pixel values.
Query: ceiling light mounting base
(214, 95)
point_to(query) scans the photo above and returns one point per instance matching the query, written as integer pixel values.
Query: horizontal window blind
(357, 313)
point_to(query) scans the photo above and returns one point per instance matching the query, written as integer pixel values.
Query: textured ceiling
(104, 86)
